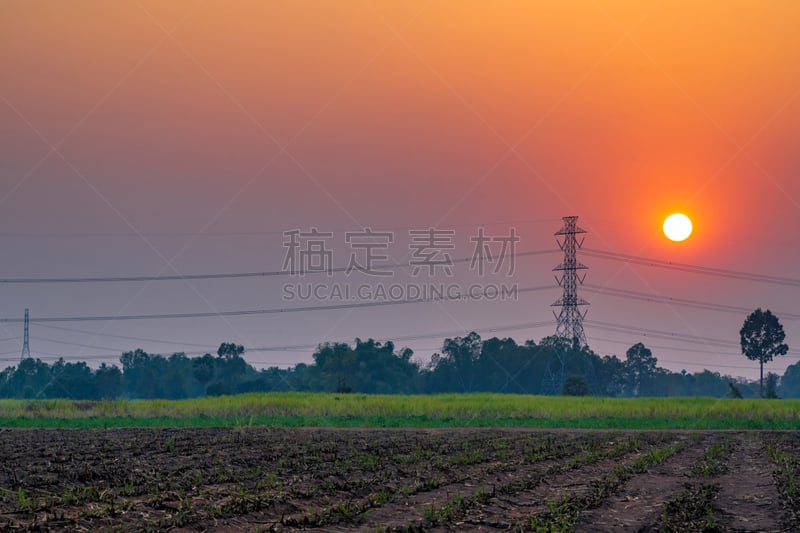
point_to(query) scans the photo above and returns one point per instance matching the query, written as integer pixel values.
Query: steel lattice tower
(570, 317)
(26, 347)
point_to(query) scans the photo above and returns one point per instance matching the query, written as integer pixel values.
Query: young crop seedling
(691, 510)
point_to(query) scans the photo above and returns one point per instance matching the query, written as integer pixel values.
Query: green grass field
(446, 410)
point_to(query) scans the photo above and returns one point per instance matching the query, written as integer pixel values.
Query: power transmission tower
(553, 379)
(26, 347)
(570, 317)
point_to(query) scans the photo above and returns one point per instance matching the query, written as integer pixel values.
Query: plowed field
(253, 479)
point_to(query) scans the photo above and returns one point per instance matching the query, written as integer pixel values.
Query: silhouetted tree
(369, 367)
(231, 368)
(203, 369)
(771, 386)
(135, 371)
(229, 350)
(611, 376)
(640, 366)
(72, 381)
(575, 386)
(31, 378)
(790, 382)
(6, 385)
(504, 366)
(463, 354)
(178, 378)
(108, 380)
(762, 339)
(707, 383)
(335, 365)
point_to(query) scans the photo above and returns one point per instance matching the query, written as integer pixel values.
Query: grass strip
(662, 423)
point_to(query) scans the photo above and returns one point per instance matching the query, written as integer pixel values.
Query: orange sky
(173, 117)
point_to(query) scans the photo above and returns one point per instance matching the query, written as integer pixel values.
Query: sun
(677, 227)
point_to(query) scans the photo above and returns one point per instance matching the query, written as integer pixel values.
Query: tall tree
(463, 353)
(230, 350)
(611, 376)
(762, 339)
(640, 365)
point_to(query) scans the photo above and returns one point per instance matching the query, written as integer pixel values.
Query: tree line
(464, 364)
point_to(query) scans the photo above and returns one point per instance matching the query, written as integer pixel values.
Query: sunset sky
(176, 138)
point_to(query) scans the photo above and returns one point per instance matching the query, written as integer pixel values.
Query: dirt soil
(262, 479)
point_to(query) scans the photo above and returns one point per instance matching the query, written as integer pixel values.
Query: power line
(251, 233)
(747, 276)
(598, 324)
(438, 334)
(673, 349)
(82, 345)
(55, 356)
(695, 269)
(647, 297)
(662, 347)
(610, 291)
(622, 293)
(681, 337)
(250, 312)
(510, 327)
(443, 334)
(233, 275)
(46, 322)
(125, 337)
(668, 335)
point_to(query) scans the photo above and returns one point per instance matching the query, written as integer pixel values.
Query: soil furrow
(638, 507)
(515, 510)
(748, 499)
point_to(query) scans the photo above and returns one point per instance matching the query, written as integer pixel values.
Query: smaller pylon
(26, 347)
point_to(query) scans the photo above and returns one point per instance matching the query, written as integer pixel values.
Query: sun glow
(677, 227)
